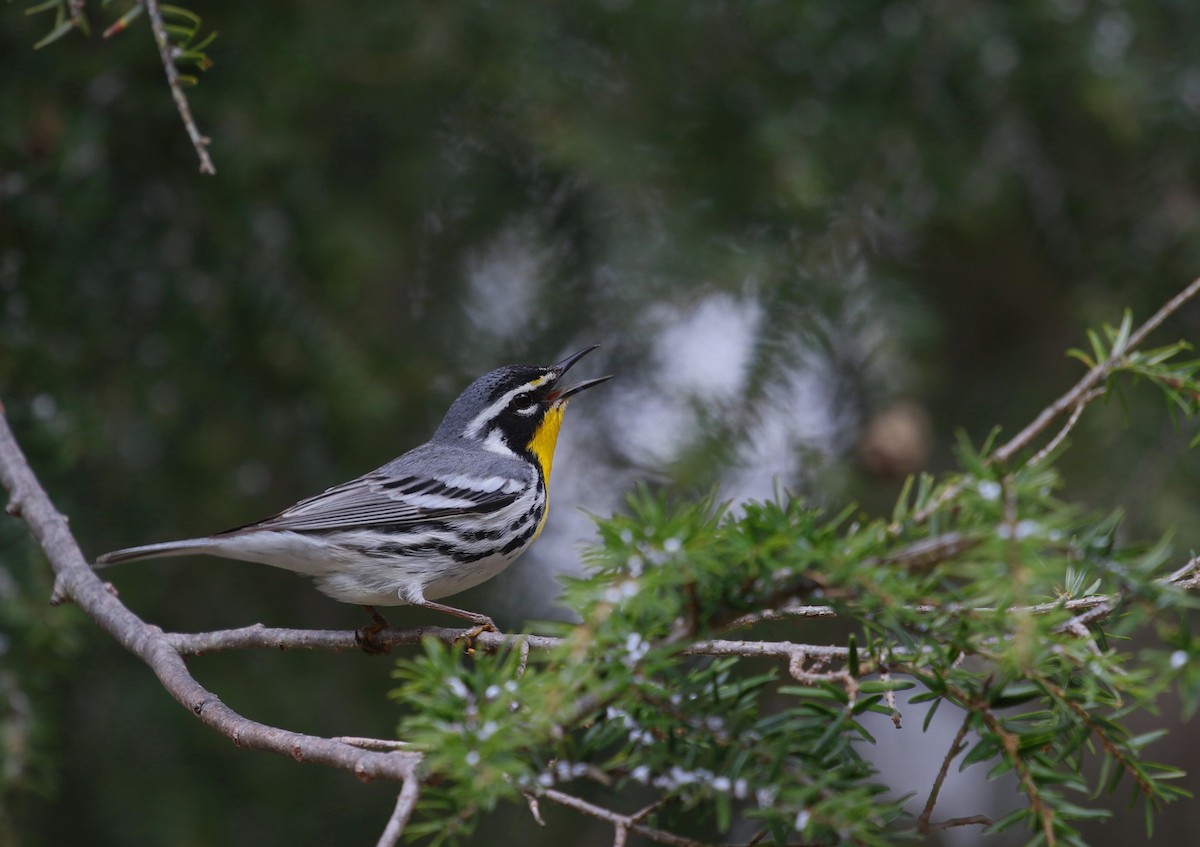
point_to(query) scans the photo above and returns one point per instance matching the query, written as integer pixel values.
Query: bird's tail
(155, 551)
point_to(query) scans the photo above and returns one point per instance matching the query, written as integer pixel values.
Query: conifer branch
(1085, 390)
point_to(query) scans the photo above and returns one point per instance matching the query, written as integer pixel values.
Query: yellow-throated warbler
(438, 520)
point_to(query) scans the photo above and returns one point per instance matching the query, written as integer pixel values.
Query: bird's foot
(366, 638)
(482, 624)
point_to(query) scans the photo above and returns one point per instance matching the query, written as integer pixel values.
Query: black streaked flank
(443, 548)
(520, 541)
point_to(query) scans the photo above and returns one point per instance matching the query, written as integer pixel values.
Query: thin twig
(374, 743)
(523, 662)
(1075, 396)
(1187, 569)
(971, 820)
(534, 808)
(76, 12)
(956, 747)
(199, 141)
(790, 611)
(620, 835)
(405, 803)
(1052, 445)
(628, 822)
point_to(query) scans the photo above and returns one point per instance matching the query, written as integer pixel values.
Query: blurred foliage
(922, 201)
(38, 648)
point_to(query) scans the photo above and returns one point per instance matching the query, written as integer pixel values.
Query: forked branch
(76, 581)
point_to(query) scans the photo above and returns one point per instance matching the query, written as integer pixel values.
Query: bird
(441, 518)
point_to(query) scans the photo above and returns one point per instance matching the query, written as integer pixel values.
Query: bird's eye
(522, 402)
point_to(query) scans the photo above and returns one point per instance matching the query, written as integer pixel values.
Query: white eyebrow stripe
(483, 418)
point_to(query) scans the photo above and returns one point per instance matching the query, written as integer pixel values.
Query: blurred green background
(814, 239)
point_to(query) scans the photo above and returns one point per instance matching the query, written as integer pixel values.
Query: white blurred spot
(503, 281)
(704, 350)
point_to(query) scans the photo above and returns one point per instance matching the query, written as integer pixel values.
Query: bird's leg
(482, 622)
(415, 596)
(380, 621)
(365, 637)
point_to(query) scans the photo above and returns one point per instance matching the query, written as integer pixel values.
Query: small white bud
(989, 489)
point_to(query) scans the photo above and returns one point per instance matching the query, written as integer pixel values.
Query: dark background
(813, 239)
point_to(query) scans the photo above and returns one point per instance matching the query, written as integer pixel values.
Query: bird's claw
(469, 636)
(365, 639)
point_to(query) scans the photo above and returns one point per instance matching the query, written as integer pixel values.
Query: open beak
(565, 365)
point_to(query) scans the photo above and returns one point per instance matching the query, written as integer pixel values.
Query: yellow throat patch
(542, 447)
(546, 437)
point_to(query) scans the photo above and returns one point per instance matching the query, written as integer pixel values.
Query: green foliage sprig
(178, 34)
(184, 26)
(983, 592)
(68, 15)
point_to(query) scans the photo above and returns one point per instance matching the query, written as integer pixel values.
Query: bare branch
(1078, 395)
(199, 141)
(405, 803)
(258, 636)
(75, 580)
